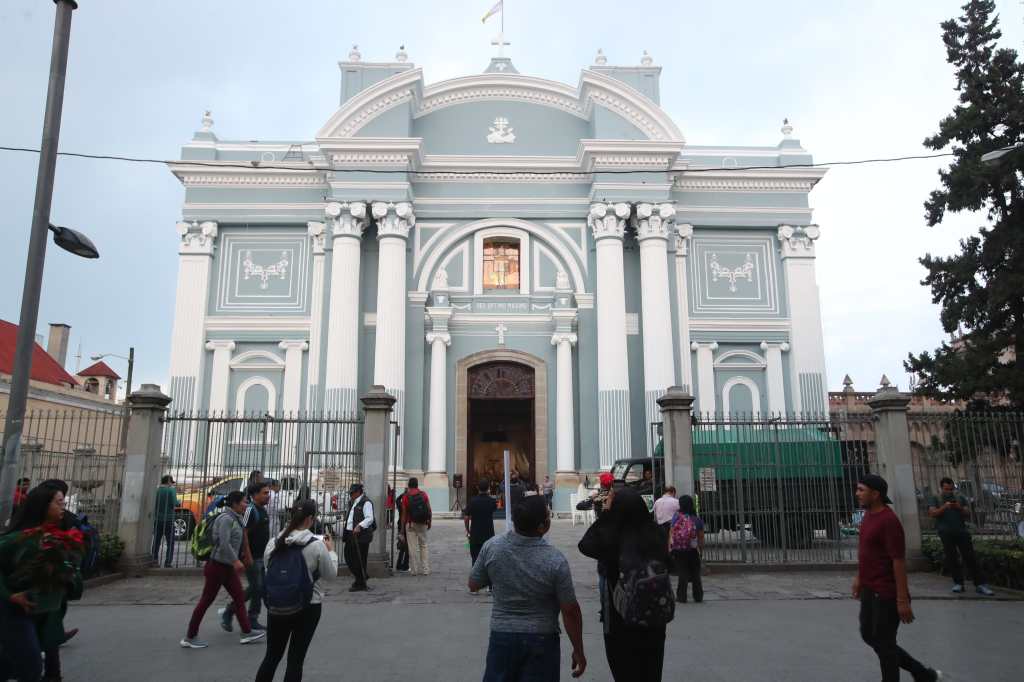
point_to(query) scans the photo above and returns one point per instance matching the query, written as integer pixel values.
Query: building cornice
(213, 174)
(762, 180)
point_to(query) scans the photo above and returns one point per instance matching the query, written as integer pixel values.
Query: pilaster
(318, 237)
(707, 400)
(291, 398)
(684, 234)
(773, 373)
(220, 374)
(198, 243)
(807, 361)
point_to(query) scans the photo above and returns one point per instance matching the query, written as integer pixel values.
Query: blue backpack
(288, 586)
(90, 559)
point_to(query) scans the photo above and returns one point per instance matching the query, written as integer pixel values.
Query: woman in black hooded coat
(634, 653)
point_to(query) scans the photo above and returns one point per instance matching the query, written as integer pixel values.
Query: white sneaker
(253, 636)
(192, 643)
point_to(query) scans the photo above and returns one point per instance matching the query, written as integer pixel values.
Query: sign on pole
(508, 495)
(708, 480)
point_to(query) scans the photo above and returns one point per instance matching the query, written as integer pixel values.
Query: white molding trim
(250, 323)
(525, 256)
(538, 250)
(579, 247)
(755, 394)
(721, 325)
(537, 229)
(271, 361)
(753, 360)
(463, 249)
(371, 103)
(192, 175)
(271, 396)
(419, 247)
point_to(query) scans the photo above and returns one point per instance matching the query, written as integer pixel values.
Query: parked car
(193, 502)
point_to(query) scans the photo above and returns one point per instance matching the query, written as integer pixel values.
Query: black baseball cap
(355, 488)
(876, 482)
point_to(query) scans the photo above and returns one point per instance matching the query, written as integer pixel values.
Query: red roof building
(44, 368)
(100, 369)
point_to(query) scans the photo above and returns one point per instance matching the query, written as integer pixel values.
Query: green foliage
(111, 549)
(981, 288)
(1002, 561)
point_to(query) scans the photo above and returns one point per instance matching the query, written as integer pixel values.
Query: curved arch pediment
(595, 89)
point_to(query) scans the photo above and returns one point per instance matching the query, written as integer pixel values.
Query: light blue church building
(525, 264)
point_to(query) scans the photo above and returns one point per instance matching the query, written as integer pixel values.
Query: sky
(857, 79)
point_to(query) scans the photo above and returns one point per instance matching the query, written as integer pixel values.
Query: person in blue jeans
(163, 519)
(531, 584)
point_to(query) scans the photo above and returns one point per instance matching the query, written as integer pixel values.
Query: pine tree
(981, 288)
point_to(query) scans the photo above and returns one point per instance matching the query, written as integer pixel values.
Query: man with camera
(950, 514)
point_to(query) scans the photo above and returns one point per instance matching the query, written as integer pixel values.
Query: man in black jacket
(358, 534)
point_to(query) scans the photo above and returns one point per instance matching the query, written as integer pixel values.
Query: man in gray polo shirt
(531, 582)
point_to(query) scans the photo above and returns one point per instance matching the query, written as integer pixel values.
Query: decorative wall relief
(262, 272)
(500, 132)
(745, 271)
(265, 272)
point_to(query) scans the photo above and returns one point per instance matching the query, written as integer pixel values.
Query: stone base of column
(136, 566)
(435, 479)
(376, 567)
(568, 479)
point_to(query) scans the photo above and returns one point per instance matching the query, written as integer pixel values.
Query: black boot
(681, 593)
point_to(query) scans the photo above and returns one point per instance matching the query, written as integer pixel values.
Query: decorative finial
(600, 59)
(440, 280)
(847, 384)
(787, 128)
(401, 56)
(885, 383)
(354, 55)
(646, 60)
(562, 281)
(207, 121)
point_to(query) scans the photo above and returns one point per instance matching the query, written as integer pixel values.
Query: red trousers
(219, 575)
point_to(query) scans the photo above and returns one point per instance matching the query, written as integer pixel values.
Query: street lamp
(66, 239)
(127, 390)
(996, 154)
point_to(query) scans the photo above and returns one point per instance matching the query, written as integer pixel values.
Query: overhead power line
(251, 165)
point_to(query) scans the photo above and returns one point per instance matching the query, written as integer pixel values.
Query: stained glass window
(501, 264)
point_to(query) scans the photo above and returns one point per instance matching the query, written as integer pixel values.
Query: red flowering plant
(49, 557)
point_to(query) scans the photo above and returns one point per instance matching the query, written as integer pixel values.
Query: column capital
(393, 220)
(684, 234)
(438, 336)
(346, 219)
(439, 316)
(197, 238)
(797, 241)
(317, 234)
(293, 344)
(654, 221)
(559, 338)
(783, 346)
(220, 345)
(697, 345)
(608, 220)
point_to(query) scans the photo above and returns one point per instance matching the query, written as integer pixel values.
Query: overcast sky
(857, 79)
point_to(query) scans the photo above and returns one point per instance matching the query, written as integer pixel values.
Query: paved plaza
(753, 626)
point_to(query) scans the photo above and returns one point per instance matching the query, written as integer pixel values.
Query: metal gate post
(783, 526)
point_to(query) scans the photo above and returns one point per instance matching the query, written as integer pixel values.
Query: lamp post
(127, 391)
(67, 239)
(996, 154)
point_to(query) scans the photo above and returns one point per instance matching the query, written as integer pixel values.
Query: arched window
(92, 385)
(501, 263)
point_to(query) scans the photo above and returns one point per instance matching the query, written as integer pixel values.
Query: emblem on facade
(265, 272)
(501, 133)
(732, 275)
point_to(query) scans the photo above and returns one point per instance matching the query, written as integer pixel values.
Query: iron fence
(981, 453)
(81, 448)
(307, 455)
(780, 490)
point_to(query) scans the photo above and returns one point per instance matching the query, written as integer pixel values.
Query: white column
(341, 375)
(291, 396)
(394, 221)
(220, 374)
(653, 226)
(317, 238)
(776, 384)
(807, 361)
(565, 433)
(437, 444)
(608, 222)
(683, 237)
(707, 401)
(187, 353)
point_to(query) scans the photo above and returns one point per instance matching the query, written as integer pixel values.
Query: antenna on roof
(78, 357)
(294, 153)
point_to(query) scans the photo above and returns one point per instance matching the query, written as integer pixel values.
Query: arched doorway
(500, 396)
(501, 402)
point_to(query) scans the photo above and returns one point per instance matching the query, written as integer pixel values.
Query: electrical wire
(259, 165)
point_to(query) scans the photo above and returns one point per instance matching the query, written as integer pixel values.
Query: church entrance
(501, 417)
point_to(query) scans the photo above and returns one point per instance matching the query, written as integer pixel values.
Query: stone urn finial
(884, 384)
(207, 121)
(355, 55)
(401, 56)
(787, 128)
(600, 59)
(646, 60)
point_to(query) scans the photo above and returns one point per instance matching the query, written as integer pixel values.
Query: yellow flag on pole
(498, 7)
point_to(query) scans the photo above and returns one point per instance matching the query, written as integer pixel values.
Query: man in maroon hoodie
(881, 583)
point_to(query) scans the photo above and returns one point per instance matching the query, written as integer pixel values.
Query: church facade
(525, 264)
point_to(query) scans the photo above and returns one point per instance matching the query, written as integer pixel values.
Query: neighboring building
(100, 380)
(524, 264)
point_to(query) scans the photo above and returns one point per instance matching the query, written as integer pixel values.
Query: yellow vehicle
(195, 502)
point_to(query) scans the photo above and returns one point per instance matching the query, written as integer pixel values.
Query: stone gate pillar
(377, 454)
(676, 406)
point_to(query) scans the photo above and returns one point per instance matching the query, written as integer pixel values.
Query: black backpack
(288, 585)
(419, 510)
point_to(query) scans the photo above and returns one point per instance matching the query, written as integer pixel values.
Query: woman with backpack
(636, 600)
(686, 543)
(294, 598)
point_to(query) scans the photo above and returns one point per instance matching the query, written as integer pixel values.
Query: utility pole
(36, 257)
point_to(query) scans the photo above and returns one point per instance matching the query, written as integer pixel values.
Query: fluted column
(438, 433)
(653, 227)
(807, 359)
(773, 373)
(198, 242)
(707, 401)
(565, 434)
(317, 238)
(341, 376)
(684, 234)
(608, 223)
(394, 221)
